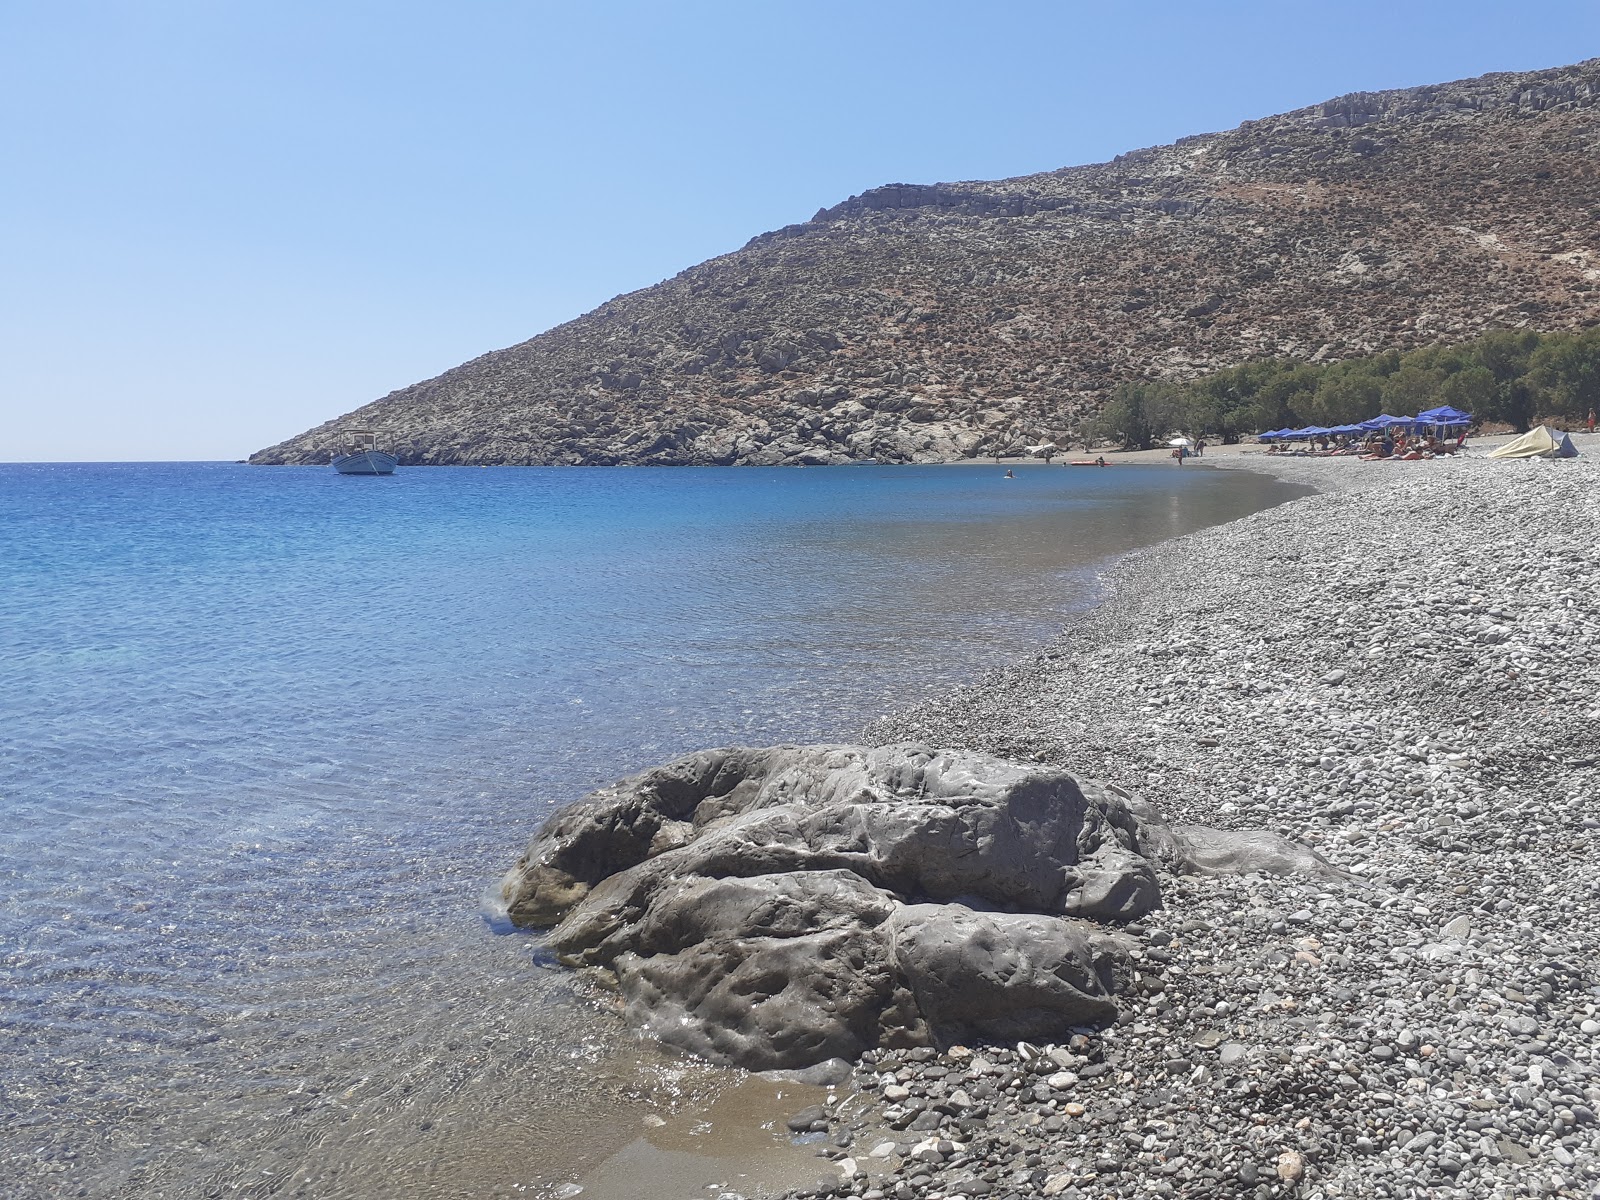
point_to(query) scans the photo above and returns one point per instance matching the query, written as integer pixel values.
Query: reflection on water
(268, 734)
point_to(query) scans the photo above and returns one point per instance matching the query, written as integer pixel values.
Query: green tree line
(1514, 376)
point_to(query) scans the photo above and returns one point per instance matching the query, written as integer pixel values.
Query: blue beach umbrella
(1445, 415)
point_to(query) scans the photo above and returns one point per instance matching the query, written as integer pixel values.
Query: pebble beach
(1400, 671)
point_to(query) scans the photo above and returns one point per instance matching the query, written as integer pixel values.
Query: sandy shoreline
(1400, 670)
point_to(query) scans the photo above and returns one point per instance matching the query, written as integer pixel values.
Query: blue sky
(223, 222)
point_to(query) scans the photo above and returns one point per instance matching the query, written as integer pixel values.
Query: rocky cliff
(920, 323)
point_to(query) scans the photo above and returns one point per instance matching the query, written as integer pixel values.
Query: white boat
(361, 455)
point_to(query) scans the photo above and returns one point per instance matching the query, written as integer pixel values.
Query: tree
(1206, 404)
(1517, 401)
(1139, 413)
(1345, 397)
(1470, 389)
(1414, 388)
(1566, 370)
(1241, 400)
(1505, 354)
(1284, 398)
(1508, 374)
(1124, 419)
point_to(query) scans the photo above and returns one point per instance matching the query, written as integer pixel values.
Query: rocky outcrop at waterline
(780, 907)
(923, 323)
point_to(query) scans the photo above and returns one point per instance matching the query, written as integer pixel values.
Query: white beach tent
(1539, 442)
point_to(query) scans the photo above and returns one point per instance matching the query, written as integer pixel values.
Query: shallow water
(267, 735)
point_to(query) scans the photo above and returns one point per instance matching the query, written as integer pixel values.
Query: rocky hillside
(918, 323)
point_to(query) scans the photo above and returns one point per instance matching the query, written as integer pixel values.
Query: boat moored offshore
(361, 455)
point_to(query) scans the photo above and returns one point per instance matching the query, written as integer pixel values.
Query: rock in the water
(777, 907)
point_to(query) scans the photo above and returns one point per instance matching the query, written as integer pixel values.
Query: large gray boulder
(778, 907)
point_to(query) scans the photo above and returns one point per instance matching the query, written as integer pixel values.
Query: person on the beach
(1100, 460)
(1589, 424)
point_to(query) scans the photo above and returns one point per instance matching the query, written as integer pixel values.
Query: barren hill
(927, 322)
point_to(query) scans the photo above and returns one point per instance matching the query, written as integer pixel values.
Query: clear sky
(224, 221)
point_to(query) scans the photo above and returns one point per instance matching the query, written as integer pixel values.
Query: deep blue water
(266, 734)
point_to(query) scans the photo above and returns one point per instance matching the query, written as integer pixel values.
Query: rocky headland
(920, 323)
(1393, 682)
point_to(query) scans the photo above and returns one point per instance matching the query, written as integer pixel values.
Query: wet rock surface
(1435, 1034)
(927, 324)
(778, 908)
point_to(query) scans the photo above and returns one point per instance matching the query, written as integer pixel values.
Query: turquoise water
(267, 734)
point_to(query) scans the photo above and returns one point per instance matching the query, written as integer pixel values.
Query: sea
(269, 735)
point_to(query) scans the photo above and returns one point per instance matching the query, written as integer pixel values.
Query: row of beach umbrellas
(1435, 418)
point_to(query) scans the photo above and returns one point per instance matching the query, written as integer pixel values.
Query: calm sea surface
(268, 734)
